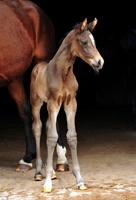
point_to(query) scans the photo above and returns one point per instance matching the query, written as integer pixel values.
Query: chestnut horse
(55, 84)
(26, 34)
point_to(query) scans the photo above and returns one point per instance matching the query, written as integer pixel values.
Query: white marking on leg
(61, 155)
(92, 39)
(47, 183)
(53, 172)
(25, 163)
(81, 183)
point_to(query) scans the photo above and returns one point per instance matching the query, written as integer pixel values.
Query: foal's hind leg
(17, 92)
(37, 128)
(70, 110)
(36, 104)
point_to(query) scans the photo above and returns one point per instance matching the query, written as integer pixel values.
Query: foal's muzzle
(98, 64)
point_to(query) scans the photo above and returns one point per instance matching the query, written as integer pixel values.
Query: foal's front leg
(52, 138)
(70, 110)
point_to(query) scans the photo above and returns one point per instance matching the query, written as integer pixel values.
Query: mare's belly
(4, 81)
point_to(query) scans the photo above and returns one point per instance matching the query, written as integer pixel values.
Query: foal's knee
(52, 135)
(52, 140)
(72, 140)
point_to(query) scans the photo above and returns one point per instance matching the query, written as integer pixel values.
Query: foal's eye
(84, 43)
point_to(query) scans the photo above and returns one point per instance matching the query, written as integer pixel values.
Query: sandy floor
(106, 152)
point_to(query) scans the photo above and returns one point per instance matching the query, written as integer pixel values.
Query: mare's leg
(17, 92)
(52, 138)
(62, 163)
(70, 110)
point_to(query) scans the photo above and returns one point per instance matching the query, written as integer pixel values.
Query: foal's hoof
(38, 177)
(47, 189)
(82, 187)
(23, 166)
(62, 167)
(54, 176)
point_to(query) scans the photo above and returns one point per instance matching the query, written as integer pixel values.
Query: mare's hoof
(38, 177)
(23, 166)
(82, 187)
(47, 189)
(53, 177)
(62, 167)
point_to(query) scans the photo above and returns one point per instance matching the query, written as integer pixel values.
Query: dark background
(115, 84)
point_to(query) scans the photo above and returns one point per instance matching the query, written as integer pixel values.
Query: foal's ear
(92, 25)
(81, 27)
(84, 24)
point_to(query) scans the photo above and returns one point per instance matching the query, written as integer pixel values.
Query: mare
(55, 84)
(26, 34)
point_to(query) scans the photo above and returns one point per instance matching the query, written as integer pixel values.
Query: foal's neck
(65, 58)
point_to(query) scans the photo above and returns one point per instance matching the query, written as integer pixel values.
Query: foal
(55, 83)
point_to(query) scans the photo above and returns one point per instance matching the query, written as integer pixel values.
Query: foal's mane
(74, 27)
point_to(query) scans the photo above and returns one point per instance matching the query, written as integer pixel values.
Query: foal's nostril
(99, 62)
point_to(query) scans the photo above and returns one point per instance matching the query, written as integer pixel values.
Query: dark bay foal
(55, 84)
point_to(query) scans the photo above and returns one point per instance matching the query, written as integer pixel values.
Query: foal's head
(84, 45)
